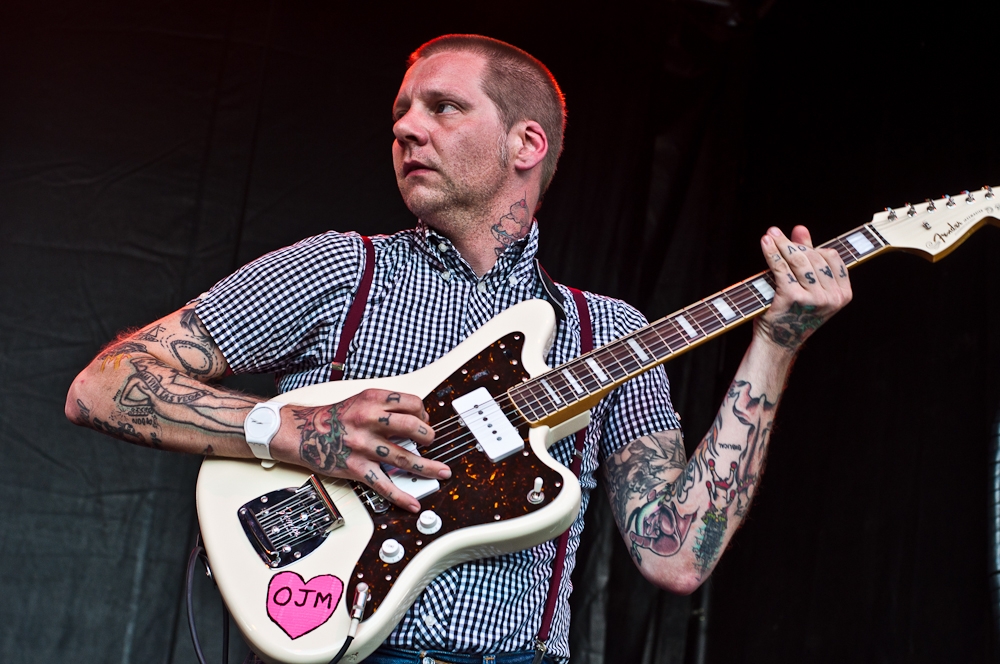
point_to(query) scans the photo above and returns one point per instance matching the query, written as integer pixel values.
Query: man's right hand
(353, 438)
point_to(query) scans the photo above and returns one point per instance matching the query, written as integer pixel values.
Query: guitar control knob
(429, 522)
(391, 551)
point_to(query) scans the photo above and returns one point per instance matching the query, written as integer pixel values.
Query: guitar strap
(586, 345)
(356, 312)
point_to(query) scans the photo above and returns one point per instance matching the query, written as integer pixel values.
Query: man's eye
(446, 107)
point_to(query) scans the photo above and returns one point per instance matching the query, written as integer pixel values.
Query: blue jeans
(388, 655)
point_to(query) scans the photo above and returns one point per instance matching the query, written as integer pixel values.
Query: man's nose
(410, 129)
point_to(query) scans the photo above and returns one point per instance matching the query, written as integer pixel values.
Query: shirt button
(446, 275)
(513, 280)
(427, 660)
(443, 247)
(481, 287)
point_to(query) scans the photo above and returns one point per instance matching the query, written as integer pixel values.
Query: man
(478, 129)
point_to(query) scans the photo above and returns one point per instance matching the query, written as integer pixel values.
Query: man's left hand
(811, 285)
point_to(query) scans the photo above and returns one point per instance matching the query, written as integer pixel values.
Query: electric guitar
(295, 555)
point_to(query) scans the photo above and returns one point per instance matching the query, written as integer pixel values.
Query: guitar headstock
(936, 227)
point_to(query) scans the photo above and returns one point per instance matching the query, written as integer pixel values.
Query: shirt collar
(513, 265)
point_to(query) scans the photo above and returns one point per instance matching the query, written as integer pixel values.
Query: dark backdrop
(149, 148)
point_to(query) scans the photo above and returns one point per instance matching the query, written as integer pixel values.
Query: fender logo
(952, 227)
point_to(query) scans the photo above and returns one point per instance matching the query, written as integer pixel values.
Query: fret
(746, 298)
(672, 334)
(624, 357)
(610, 362)
(561, 386)
(653, 340)
(706, 318)
(846, 253)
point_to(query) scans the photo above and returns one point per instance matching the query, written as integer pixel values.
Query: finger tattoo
(384, 420)
(371, 477)
(827, 271)
(419, 467)
(422, 430)
(791, 249)
(810, 278)
(392, 398)
(802, 247)
(400, 460)
(792, 279)
(843, 272)
(382, 451)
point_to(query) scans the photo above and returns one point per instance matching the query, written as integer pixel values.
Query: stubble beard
(459, 205)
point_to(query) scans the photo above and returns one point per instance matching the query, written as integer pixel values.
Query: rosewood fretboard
(578, 384)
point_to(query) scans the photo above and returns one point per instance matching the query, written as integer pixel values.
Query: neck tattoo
(512, 227)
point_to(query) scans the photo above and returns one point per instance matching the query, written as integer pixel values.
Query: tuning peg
(930, 205)
(912, 211)
(969, 198)
(892, 214)
(950, 203)
(989, 191)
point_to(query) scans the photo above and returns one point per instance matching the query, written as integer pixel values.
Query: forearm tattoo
(154, 393)
(655, 494)
(322, 444)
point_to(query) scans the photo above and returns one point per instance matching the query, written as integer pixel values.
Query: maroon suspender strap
(357, 310)
(586, 345)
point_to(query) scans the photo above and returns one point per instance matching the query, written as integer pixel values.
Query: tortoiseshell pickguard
(479, 490)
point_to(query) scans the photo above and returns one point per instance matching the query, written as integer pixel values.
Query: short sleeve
(280, 312)
(642, 405)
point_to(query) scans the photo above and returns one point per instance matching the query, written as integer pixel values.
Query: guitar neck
(578, 385)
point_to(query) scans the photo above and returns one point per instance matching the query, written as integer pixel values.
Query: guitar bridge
(285, 525)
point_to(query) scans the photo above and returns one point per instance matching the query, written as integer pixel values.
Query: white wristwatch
(260, 426)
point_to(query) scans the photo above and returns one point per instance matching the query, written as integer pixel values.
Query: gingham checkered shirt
(284, 313)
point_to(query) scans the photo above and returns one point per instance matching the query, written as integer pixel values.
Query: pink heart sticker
(298, 607)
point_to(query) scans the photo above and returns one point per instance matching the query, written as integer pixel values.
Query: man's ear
(530, 145)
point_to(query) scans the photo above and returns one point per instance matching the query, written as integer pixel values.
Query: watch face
(261, 421)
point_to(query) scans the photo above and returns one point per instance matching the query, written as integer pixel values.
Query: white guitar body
(245, 579)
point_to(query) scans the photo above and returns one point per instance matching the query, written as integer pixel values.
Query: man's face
(449, 147)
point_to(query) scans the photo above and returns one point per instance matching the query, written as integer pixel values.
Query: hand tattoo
(323, 445)
(382, 451)
(392, 398)
(371, 477)
(791, 329)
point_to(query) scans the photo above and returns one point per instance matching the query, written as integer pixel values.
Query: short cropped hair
(520, 86)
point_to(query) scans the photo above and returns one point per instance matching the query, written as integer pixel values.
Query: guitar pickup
(496, 436)
(288, 524)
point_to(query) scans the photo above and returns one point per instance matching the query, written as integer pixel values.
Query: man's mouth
(413, 165)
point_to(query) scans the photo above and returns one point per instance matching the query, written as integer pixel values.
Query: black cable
(196, 552)
(343, 650)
